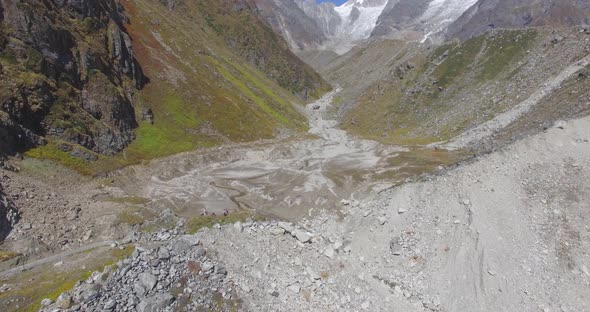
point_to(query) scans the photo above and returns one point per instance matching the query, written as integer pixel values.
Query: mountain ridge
(339, 28)
(334, 28)
(490, 14)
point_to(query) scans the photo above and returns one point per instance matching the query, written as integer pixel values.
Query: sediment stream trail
(285, 179)
(234, 198)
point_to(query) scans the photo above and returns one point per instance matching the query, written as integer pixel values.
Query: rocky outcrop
(68, 73)
(490, 14)
(9, 214)
(104, 102)
(290, 19)
(171, 4)
(14, 136)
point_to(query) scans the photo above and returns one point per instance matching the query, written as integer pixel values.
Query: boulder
(147, 281)
(155, 303)
(163, 253)
(294, 288)
(64, 301)
(45, 302)
(302, 236)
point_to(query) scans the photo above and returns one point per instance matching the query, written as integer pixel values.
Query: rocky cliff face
(68, 73)
(490, 14)
(9, 215)
(290, 19)
(324, 16)
(399, 14)
(359, 18)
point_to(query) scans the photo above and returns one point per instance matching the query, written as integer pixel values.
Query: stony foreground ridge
(506, 232)
(174, 274)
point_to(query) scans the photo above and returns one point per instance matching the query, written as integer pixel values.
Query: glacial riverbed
(290, 179)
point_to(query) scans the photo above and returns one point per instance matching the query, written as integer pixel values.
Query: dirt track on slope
(501, 121)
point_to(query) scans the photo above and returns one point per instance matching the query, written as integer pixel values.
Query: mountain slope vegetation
(413, 94)
(108, 83)
(202, 92)
(239, 23)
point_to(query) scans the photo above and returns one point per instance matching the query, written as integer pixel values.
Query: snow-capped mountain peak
(307, 25)
(359, 18)
(419, 19)
(364, 3)
(441, 13)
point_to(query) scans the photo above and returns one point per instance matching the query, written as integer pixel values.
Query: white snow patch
(441, 13)
(360, 29)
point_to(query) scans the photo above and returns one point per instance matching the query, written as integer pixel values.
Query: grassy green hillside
(213, 75)
(199, 91)
(419, 95)
(249, 37)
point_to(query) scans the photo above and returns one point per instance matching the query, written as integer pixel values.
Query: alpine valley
(290, 155)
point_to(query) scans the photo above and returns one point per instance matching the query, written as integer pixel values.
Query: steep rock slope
(359, 18)
(412, 94)
(248, 37)
(291, 19)
(67, 72)
(489, 14)
(323, 15)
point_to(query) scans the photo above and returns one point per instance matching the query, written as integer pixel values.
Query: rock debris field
(506, 232)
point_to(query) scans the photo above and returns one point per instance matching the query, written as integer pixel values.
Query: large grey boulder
(147, 281)
(155, 303)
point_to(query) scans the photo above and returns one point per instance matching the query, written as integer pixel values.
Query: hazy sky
(338, 2)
